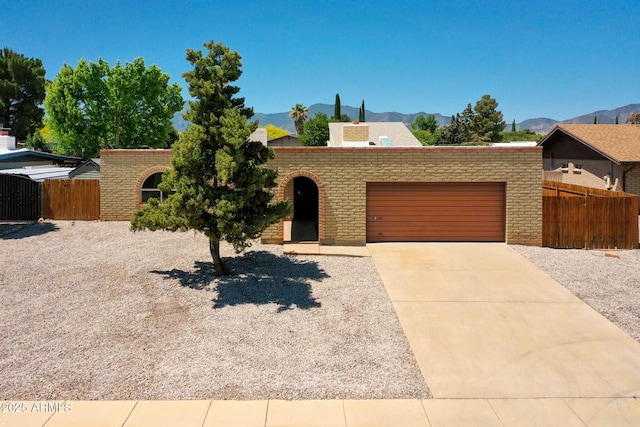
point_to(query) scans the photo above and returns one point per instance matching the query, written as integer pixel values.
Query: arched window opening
(150, 189)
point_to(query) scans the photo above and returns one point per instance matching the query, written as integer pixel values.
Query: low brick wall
(341, 175)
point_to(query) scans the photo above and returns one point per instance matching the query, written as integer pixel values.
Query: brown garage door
(436, 212)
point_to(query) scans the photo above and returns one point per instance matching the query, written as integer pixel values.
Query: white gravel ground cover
(609, 285)
(89, 310)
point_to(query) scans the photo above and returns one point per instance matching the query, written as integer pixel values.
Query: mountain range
(540, 125)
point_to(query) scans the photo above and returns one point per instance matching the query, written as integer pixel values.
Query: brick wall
(355, 133)
(122, 173)
(632, 180)
(341, 175)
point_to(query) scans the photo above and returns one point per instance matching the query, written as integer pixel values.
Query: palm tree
(299, 114)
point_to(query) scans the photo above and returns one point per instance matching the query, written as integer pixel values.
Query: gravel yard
(610, 285)
(89, 310)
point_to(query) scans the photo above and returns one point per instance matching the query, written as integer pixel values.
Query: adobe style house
(597, 156)
(354, 195)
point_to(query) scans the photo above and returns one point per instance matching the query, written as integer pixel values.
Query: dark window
(150, 188)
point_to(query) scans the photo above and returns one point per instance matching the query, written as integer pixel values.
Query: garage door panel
(436, 204)
(448, 227)
(436, 211)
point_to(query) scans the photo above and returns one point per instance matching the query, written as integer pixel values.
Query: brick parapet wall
(342, 173)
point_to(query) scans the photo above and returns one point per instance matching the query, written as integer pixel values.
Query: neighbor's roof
(397, 132)
(23, 152)
(39, 174)
(620, 143)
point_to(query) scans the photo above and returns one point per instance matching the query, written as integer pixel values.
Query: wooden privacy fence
(71, 199)
(576, 217)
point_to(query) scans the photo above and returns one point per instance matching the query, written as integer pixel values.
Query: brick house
(355, 195)
(598, 156)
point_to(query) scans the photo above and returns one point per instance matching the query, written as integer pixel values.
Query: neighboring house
(379, 134)
(599, 156)
(355, 195)
(89, 169)
(284, 141)
(35, 164)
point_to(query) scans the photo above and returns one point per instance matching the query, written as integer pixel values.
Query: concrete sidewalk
(498, 342)
(618, 412)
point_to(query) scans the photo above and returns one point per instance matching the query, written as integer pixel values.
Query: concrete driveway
(483, 322)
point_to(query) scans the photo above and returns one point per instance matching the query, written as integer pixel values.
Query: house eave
(581, 141)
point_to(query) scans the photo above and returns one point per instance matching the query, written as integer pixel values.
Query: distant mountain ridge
(540, 125)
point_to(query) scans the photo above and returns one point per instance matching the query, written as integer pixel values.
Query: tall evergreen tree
(361, 117)
(595, 120)
(487, 120)
(617, 120)
(336, 109)
(218, 183)
(22, 91)
(513, 126)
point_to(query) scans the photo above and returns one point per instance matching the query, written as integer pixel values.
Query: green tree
(22, 90)
(337, 116)
(361, 116)
(595, 120)
(299, 114)
(218, 184)
(513, 126)
(425, 137)
(453, 134)
(172, 137)
(344, 118)
(617, 120)
(428, 123)
(521, 135)
(275, 132)
(634, 118)
(460, 129)
(487, 120)
(93, 106)
(316, 131)
(35, 141)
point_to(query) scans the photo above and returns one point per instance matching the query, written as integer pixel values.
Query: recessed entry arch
(306, 192)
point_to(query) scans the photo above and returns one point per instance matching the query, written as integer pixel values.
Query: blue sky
(555, 59)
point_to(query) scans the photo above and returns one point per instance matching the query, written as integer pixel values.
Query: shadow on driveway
(21, 230)
(259, 277)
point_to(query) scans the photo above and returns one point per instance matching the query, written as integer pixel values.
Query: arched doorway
(305, 210)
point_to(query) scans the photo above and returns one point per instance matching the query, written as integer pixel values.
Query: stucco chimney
(7, 142)
(355, 133)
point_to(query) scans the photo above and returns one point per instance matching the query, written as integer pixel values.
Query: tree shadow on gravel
(13, 231)
(258, 277)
